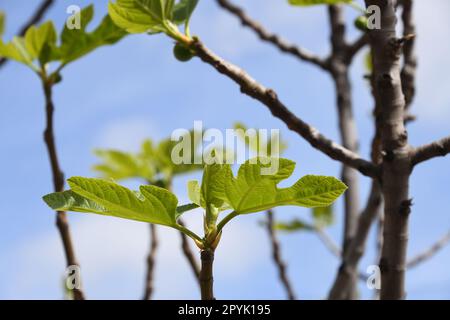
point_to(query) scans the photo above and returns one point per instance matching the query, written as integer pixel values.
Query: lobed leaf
(76, 43)
(151, 204)
(251, 191)
(40, 42)
(138, 16)
(183, 11)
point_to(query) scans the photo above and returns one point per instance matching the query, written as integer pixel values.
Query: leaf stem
(188, 232)
(225, 220)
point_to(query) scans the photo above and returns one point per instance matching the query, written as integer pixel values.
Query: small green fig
(361, 23)
(182, 53)
(56, 78)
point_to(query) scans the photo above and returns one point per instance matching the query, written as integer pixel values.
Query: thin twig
(355, 47)
(269, 98)
(329, 243)
(334, 248)
(58, 183)
(339, 70)
(408, 74)
(270, 37)
(188, 253)
(278, 260)
(151, 259)
(430, 252)
(435, 149)
(35, 18)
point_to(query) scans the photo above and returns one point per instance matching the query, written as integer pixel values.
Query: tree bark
(149, 287)
(396, 166)
(58, 183)
(206, 274)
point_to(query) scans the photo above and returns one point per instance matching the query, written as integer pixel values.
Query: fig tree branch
(396, 168)
(339, 71)
(269, 98)
(58, 182)
(151, 259)
(278, 260)
(187, 251)
(435, 149)
(408, 73)
(430, 252)
(270, 37)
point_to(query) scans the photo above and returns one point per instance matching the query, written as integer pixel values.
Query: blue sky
(120, 95)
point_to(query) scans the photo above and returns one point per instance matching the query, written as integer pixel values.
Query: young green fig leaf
(252, 191)
(151, 204)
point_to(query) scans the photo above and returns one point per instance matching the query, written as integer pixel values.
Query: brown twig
(151, 258)
(342, 285)
(206, 274)
(58, 183)
(35, 18)
(408, 73)
(188, 253)
(329, 243)
(269, 98)
(339, 65)
(270, 37)
(276, 255)
(439, 148)
(355, 47)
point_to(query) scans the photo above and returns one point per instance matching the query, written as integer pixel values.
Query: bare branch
(58, 183)
(276, 254)
(430, 252)
(353, 48)
(341, 286)
(270, 37)
(35, 18)
(269, 98)
(187, 251)
(151, 263)
(435, 149)
(329, 243)
(347, 125)
(408, 74)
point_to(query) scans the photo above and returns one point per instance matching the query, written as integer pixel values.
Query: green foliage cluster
(42, 45)
(219, 191)
(153, 162)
